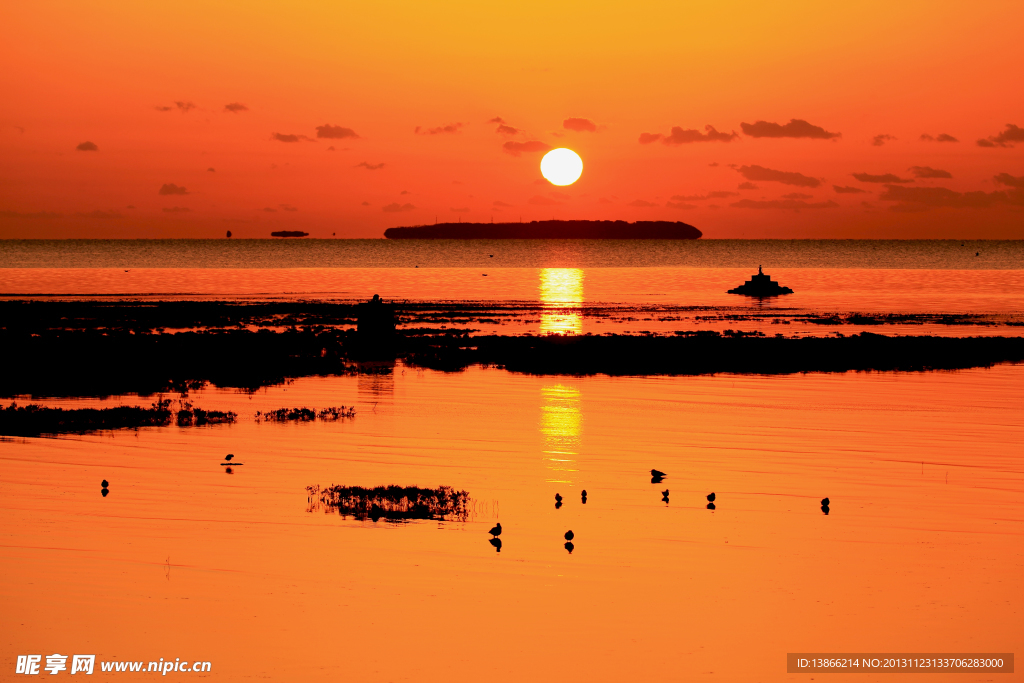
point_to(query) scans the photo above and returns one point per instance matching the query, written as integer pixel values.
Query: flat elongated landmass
(289, 233)
(555, 230)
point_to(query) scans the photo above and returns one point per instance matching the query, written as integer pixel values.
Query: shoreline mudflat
(87, 348)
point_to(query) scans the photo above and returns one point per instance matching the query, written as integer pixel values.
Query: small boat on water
(760, 285)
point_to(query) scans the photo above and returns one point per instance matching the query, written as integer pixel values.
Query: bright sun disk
(561, 166)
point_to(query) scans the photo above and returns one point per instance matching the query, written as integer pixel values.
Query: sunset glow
(743, 119)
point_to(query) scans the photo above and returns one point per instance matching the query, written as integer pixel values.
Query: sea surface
(922, 549)
(591, 286)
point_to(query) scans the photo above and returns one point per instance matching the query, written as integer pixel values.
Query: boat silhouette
(760, 285)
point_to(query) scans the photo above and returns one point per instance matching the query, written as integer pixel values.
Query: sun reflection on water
(561, 292)
(561, 425)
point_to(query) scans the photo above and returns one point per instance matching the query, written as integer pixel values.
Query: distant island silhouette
(592, 230)
(286, 233)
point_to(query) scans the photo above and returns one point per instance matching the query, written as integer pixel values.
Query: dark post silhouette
(375, 330)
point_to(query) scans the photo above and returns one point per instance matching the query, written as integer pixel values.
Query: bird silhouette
(569, 546)
(711, 497)
(658, 473)
(665, 493)
(558, 498)
(229, 456)
(104, 484)
(824, 502)
(496, 530)
(711, 506)
(496, 542)
(558, 504)
(824, 509)
(569, 535)
(104, 492)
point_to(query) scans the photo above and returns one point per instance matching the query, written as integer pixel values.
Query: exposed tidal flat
(107, 348)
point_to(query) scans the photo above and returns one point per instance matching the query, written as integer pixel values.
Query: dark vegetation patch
(395, 504)
(305, 414)
(189, 416)
(33, 420)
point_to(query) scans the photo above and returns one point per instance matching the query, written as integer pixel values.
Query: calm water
(922, 550)
(595, 286)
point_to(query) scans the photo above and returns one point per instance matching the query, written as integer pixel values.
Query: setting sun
(561, 166)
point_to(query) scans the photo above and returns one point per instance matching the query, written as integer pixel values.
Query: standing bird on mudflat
(711, 497)
(824, 502)
(496, 530)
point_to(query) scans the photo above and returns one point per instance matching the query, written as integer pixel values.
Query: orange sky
(113, 74)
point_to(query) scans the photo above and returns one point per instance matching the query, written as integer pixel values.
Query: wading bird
(496, 530)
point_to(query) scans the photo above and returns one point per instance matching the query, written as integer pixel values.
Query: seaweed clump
(305, 414)
(393, 504)
(33, 420)
(189, 416)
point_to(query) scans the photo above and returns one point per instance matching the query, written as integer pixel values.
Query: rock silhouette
(104, 484)
(711, 506)
(824, 502)
(711, 497)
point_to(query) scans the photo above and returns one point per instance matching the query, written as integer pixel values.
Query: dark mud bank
(711, 353)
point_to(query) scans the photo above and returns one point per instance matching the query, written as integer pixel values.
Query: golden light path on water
(561, 425)
(561, 292)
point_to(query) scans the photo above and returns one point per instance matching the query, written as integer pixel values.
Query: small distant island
(539, 230)
(288, 233)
